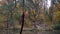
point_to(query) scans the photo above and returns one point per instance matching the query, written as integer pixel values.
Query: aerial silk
(22, 17)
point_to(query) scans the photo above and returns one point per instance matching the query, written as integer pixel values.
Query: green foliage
(31, 13)
(1, 18)
(10, 4)
(17, 15)
(56, 26)
(12, 19)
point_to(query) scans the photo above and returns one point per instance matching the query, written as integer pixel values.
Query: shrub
(56, 27)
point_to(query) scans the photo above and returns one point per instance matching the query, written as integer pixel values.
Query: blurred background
(41, 16)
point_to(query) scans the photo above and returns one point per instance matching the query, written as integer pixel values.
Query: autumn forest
(33, 15)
